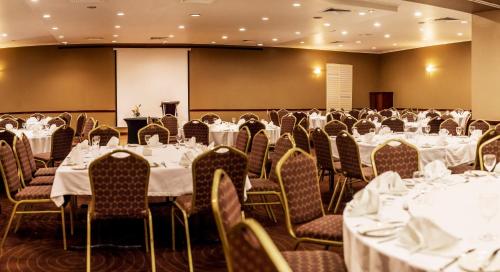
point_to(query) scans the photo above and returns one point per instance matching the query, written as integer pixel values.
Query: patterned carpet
(37, 246)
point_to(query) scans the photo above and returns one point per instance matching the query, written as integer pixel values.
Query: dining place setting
(225, 133)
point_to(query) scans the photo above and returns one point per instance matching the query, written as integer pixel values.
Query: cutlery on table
(489, 260)
(455, 259)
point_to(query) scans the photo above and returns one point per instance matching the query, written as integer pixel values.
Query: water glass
(471, 129)
(96, 140)
(427, 129)
(147, 138)
(488, 208)
(459, 131)
(418, 175)
(489, 161)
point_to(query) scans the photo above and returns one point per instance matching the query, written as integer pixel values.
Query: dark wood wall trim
(55, 111)
(152, 45)
(268, 109)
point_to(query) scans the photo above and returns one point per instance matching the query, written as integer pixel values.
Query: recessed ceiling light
(213, 42)
(377, 24)
(344, 32)
(61, 37)
(361, 13)
(297, 32)
(373, 48)
(171, 36)
(4, 34)
(394, 44)
(371, 11)
(275, 39)
(181, 27)
(301, 42)
(117, 26)
(417, 13)
(421, 29)
(463, 22)
(120, 13)
(340, 45)
(46, 16)
(224, 37)
(64, 43)
(243, 29)
(387, 36)
(164, 42)
(113, 41)
(296, 5)
(358, 42)
(55, 28)
(260, 44)
(195, 15)
(115, 35)
(34, 1)
(326, 24)
(460, 34)
(265, 18)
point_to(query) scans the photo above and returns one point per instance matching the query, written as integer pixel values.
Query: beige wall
(404, 74)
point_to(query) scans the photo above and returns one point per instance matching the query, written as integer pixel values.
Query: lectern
(169, 107)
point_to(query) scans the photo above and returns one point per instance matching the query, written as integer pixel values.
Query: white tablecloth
(318, 121)
(452, 204)
(40, 141)
(226, 133)
(459, 150)
(173, 180)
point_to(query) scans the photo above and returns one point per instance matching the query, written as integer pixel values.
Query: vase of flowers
(136, 110)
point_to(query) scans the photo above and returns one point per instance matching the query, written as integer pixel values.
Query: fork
(455, 259)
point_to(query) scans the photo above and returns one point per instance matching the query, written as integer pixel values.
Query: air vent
(336, 10)
(158, 38)
(445, 19)
(94, 38)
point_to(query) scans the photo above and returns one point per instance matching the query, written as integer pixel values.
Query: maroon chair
(397, 156)
(363, 126)
(395, 124)
(273, 115)
(209, 118)
(8, 121)
(450, 125)
(153, 129)
(324, 156)
(37, 171)
(349, 121)
(334, 127)
(301, 138)
(7, 136)
(23, 163)
(254, 126)
(58, 121)
(170, 122)
(243, 140)
(105, 134)
(62, 140)
(249, 116)
(288, 123)
(197, 129)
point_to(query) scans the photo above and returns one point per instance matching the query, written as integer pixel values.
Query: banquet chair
(304, 122)
(288, 123)
(374, 117)
(209, 118)
(105, 133)
(497, 128)
(488, 135)
(324, 156)
(7, 116)
(24, 199)
(243, 140)
(6, 121)
(363, 126)
(480, 124)
(119, 184)
(170, 122)
(249, 116)
(24, 166)
(351, 167)
(58, 121)
(7, 136)
(314, 110)
(36, 171)
(61, 143)
(450, 125)
(80, 123)
(446, 116)
(90, 124)
(349, 121)
(263, 187)
(410, 116)
(394, 123)
(432, 114)
(233, 162)
(336, 115)
(492, 146)
(354, 113)
(387, 113)
(301, 138)
(334, 127)
(197, 129)
(152, 129)
(435, 124)
(38, 116)
(254, 126)
(258, 155)
(66, 116)
(304, 214)
(20, 122)
(395, 155)
(301, 118)
(281, 113)
(273, 115)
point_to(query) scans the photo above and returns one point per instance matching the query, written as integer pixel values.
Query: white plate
(475, 173)
(79, 167)
(153, 164)
(472, 262)
(380, 230)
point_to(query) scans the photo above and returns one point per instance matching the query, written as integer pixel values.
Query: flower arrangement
(136, 110)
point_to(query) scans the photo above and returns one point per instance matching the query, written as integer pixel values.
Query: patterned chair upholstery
(7, 116)
(446, 116)
(66, 116)
(38, 116)
(20, 122)
(249, 116)
(170, 122)
(432, 114)
(363, 126)
(374, 117)
(254, 126)
(349, 121)
(410, 116)
(301, 138)
(314, 110)
(233, 162)
(58, 121)
(450, 125)
(119, 184)
(32, 196)
(7, 136)
(336, 115)
(209, 118)
(387, 113)
(497, 128)
(6, 121)
(258, 155)
(197, 129)
(281, 114)
(324, 155)
(395, 124)
(23, 163)
(62, 140)
(480, 124)
(90, 124)
(492, 146)
(304, 122)
(354, 113)
(152, 129)
(288, 123)
(395, 155)
(36, 171)
(105, 133)
(334, 127)
(435, 124)
(80, 123)
(243, 140)
(273, 115)
(305, 218)
(301, 119)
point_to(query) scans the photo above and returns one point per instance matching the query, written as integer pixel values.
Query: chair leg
(332, 179)
(151, 242)
(339, 200)
(146, 242)
(337, 186)
(188, 241)
(296, 245)
(20, 216)
(266, 207)
(172, 215)
(321, 175)
(63, 224)
(88, 242)
(13, 213)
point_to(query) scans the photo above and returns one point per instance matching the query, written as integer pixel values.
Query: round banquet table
(318, 121)
(226, 133)
(457, 151)
(40, 141)
(452, 203)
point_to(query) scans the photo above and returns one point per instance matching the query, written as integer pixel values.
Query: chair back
(284, 143)
(58, 121)
(334, 127)
(38, 116)
(323, 149)
(62, 140)
(432, 114)
(435, 124)
(395, 124)
(170, 122)
(20, 122)
(105, 133)
(6, 121)
(374, 117)
(497, 128)
(488, 135)
(258, 155)
(354, 113)
(249, 116)
(23, 161)
(410, 116)
(314, 110)
(363, 126)
(446, 116)
(90, 124)
(7, 136)
(80, 123)
(301, 138)
(336, 115)
(254, 126)
(492, 146)
(450, 125)
(7, 116)
(273, 115)
(209, 118)
(197, 129)
(298, 178)
(288, 123)
(119, 184)
(386, 113)
(349, 121)
(232, 161)
(243, 140)
(395, 155)
(281, 113)
(349, 156)
(31, 157)
(8, 167)
(152, 129)
(299, 115)
(480, 124)
(66, 116)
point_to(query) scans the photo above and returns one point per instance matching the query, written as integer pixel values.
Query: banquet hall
(263, 135)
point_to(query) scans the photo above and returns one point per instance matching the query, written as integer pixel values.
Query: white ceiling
(23, 22)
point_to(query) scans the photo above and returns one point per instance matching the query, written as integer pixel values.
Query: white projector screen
(148, 76)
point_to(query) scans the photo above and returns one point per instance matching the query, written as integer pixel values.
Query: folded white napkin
(76, 156)
(423, 234)
(31, 120)
(365, 202)
(218, 121)
(443, 132)
(191, 142)
(385, 131)
(476, 134)
(314, 114)
(9, 126)
(84, 145)
(187, 158)
(436, 169)
(46, 120)
(368, 137)
(113, 142)
(388, 182)
(241, 121)
(154, 140)
(355, 133)
(52, 128)
(271, 123)
(442, 140)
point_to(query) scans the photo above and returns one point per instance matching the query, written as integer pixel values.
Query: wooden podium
(169, 107)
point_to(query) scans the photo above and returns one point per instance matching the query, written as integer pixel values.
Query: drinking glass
(427, 129)
(178, 138)
(96, 140)
(459, 131)
(471, 129)
(355, 132)
(233, 120)
(375, 119)
(147, 138)
(418, 175)
(488, 208)
(489, 161)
